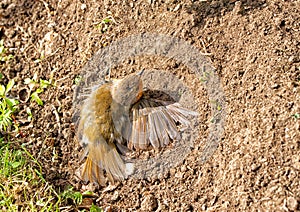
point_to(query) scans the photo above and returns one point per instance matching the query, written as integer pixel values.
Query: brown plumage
(118, 113)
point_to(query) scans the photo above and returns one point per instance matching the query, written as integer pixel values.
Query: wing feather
(143, 132)
(153, 137)
(133, 142)
(154, 123)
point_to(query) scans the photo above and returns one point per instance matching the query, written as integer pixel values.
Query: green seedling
(217, 104)
(3, 56)
(35, 96)
(77, 79)
(219, 107)
(41, 86)
(105, 24)
(205, 76)
(75, 196)
(7, 106)
(95, 208)
(29, 113)
(296, 115)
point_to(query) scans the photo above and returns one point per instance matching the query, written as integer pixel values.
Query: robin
(118, 116)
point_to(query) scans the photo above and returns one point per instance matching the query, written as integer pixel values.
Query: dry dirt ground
(255, 48)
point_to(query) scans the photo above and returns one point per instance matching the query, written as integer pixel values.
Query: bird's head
(128, 90)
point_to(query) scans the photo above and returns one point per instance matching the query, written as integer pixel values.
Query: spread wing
(155, 122)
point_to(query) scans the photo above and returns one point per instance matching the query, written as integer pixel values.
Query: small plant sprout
(75, 196)
(296, 115)
(29, 113)
(205, 76)
(7, 106)
(35, 96)
(41, 86)
(219, 106)
(104, 25)
(77, 79)
(95, 208)
(3, 56)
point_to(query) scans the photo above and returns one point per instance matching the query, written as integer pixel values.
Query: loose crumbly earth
(255, 47)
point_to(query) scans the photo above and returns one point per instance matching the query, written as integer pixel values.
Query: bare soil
(255, 48)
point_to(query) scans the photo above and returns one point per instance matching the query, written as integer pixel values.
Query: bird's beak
(141, 72)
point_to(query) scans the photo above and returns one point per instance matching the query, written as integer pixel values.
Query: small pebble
(292, 203)
(149, 203)
(83, 6)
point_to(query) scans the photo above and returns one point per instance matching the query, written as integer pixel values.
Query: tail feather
(92, 172)
(114, 165)
(103, 156)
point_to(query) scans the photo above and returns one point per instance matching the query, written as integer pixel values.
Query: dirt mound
(254, 47)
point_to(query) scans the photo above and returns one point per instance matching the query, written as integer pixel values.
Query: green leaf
(2, 49)
(106, 20)
(35, 97)
(77, 80)
(44, 83)
(39, 90)
(40, 202)
(296, 115)
(11, 102)
(95, 208)
(5, 117)
(9, 86)
(29, 113)
(88, 193)
(16, 164)
(9, 57)
(2, 90)
(77, 198)
(1, 76)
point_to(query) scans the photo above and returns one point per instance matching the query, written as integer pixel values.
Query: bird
(118, 117)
